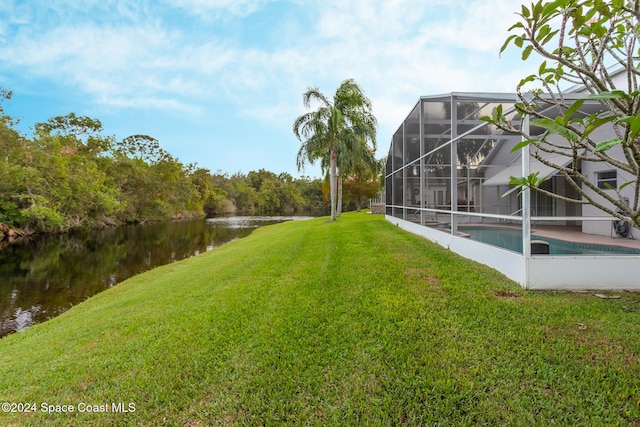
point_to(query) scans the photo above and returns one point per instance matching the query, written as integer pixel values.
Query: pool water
(509, 238)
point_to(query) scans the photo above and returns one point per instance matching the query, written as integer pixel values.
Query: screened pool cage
(446, 176)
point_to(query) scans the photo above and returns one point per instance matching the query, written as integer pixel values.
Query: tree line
(70, 175)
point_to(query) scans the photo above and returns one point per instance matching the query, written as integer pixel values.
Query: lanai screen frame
(402, 163)
(397, 177)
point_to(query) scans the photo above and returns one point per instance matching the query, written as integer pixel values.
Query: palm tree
(356, 159)
(339, 128)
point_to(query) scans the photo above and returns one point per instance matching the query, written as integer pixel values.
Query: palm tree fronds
(337, 133)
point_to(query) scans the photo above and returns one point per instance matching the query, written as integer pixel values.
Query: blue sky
(220, 82)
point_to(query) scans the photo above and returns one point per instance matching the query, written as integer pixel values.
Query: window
(607, 180)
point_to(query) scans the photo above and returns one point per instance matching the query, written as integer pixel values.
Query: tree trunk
(339, 204)
(332, 184)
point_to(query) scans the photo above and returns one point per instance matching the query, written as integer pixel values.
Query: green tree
(81, 133)
(13, 154)
(268, 197)
(68, 187)
(132, 178)
(582, 42)
(257, 178)
(243, 194)
(143, 147)
(362, 181)
(289, 194)
(56, 182)
(310, 191)
(275, 193)
(153, 184)
(212, 198)
(335, 128)
(220, 202)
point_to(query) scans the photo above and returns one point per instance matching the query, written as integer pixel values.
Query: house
(447, 178)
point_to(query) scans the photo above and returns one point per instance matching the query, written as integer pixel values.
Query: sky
(220, 82)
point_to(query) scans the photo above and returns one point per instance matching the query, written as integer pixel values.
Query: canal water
(43, 277)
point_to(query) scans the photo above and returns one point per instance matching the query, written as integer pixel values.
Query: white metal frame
(531, 271)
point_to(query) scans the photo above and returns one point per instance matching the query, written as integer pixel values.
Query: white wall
(508, 263)
(590, 170)
(584, 272)
(541, 271)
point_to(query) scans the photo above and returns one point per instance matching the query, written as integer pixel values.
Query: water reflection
(234, 222)
(41, 278)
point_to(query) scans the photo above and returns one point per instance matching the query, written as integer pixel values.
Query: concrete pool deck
(569, 233)
(574, 234)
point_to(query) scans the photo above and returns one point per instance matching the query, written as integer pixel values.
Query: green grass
(317, 323)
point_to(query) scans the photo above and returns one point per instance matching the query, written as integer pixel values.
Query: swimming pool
(510, 238)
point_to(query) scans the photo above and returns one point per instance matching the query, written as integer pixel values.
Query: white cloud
(393, 46)
(123, 65)
(146, 56)
(401, 53)
(478, 26)
(218, 8)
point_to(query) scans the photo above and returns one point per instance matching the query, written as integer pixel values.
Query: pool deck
(574, 234)
(567, 233)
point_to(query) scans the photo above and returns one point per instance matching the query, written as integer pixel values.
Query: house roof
(535, 166)
(434, 112)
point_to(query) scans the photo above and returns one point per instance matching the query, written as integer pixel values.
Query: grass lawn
(354, 322)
